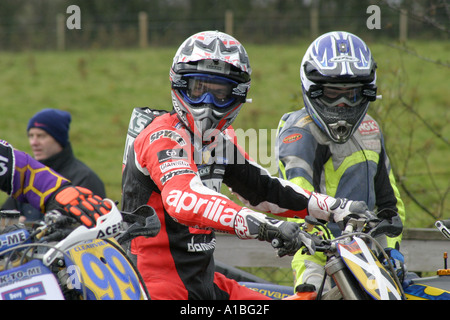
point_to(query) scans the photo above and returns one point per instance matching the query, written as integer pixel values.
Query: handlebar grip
(58, 235)
(446, 223)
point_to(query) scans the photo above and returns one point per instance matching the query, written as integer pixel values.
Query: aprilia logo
(211, 208)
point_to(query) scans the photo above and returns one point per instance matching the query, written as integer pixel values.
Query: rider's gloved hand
(291, 246)
(337, 210)
(82, 204)
(249, 224)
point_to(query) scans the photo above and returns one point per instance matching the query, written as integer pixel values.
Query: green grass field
(100, 89)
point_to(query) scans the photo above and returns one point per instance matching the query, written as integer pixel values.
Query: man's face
(42, 144)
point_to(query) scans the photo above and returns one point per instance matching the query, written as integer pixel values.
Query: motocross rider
(332, 145)
(29, 181)
(178, 162)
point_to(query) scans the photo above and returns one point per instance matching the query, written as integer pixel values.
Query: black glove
(284, 235)
(290, 247)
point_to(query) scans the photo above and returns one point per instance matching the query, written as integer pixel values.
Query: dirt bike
(357, 263)
(353, 264)
(57, 260)
(360, 268)
(434, 287)
(353, 261)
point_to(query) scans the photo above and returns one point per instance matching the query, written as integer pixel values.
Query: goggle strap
(315, 91)
(370, 92)
(180, 84)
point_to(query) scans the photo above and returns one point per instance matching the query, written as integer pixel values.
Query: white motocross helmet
(338, 75)
(210, 78)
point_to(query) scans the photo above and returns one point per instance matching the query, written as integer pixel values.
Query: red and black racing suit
(164, 170)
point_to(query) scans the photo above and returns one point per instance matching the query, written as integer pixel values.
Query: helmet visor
(205, 88)
(342, 96)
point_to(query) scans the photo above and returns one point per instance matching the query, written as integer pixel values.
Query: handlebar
(58, 227)
(144, 222)
(444, 227)
(107, 226)
(387, 223)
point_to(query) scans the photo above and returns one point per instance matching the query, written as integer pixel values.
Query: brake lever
(144, 222)
(138, 215)
(392, 228)
(107, 226)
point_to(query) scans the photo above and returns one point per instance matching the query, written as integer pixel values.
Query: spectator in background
(48, 135)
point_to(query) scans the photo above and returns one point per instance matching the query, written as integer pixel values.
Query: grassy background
(100, 89)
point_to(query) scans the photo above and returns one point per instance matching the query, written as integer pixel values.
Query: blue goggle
(199, 88)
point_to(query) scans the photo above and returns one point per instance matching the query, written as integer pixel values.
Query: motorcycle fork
(344, 279)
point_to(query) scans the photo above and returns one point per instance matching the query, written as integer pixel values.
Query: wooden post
(143, 29)
(229, 22)
(314, 19)
(403, 28)
(60, 32)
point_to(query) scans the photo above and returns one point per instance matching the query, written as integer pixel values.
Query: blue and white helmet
(338, 75)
